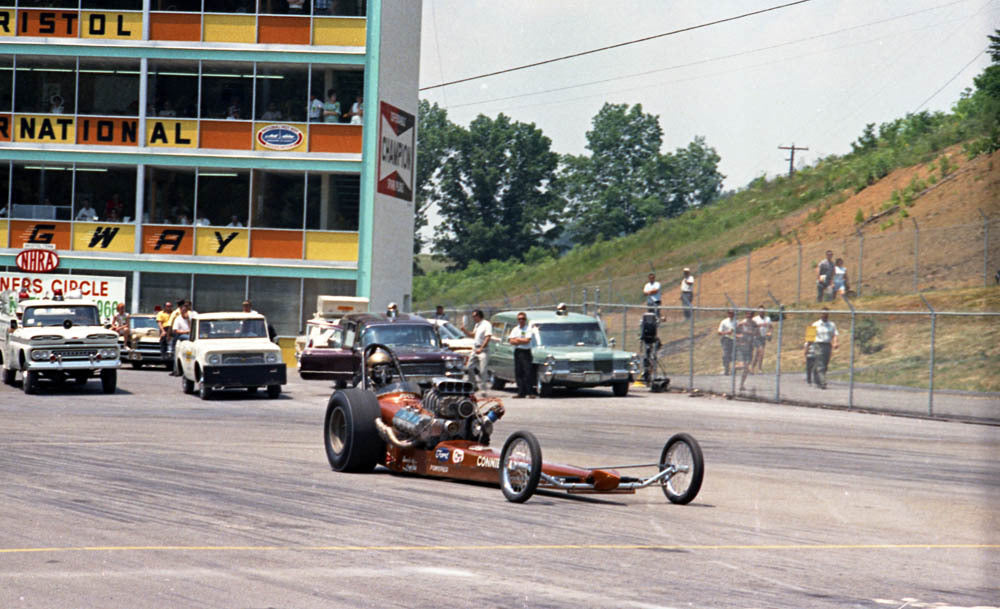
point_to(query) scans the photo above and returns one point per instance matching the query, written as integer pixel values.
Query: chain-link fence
(926, 363)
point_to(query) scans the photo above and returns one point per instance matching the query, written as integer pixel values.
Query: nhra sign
(37, 260)
(279, 137)
(397, 138)
(106, 292)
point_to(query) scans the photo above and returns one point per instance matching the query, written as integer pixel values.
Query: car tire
(204, 391)
(352, 441)
(519, 487)
(109, 380)
(81, 379)
(542, 389)
(8, 376)
(620, 388)
(683, 450)
(496, 383)
(136, 365)
(273, 391)
(187, 385)
(29, 381)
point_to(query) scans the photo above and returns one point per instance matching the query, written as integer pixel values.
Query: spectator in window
(114, 206)
(315, 108)
(331, 109)
(322, 7)
(203, 221)
(112, 216)
(356, 111)
(168, 109)
(272, 113)
(87, 213)
(56, 105)
(233, 112)
(234, 222)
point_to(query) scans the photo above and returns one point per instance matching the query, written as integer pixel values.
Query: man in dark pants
(520, 338)
(826, 342)
(824, 275)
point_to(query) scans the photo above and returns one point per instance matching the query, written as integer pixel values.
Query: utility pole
(791, 158)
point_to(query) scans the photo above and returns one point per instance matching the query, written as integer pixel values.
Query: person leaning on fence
(826, 342)
(652, 292)
(810, 353)
(726, 329)
(746, 331)
(687, 292)
(520, 339)
(479, 359)
(760, 340)
(824, 275)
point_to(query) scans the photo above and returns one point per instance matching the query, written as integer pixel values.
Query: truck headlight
(40, 354)
(108, 353)
(548, 368)
(633, 364)
(452, 364)
(271, 358)
(214, 359)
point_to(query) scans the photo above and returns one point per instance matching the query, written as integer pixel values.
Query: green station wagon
(568, 350)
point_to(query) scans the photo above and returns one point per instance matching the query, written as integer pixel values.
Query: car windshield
(323, 336)
(449, 331)
(83, 315)
(142, 323)
(400, 335)
(586, 334)
(232, 328)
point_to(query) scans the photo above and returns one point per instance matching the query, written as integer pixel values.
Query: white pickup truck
(58, 340)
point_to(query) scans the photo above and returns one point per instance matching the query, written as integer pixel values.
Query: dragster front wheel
(683, 454)
(520, 466)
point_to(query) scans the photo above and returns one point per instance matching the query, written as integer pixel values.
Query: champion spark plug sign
(397, 147)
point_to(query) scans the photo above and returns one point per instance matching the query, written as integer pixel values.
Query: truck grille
(598, 366)
(148, 349)
(242, 358)
(70, 354)
(423, 369)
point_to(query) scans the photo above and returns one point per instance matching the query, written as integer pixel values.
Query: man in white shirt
(520, 338)
(234, 222)
(315, 109)
(687, 292)
(479, 359)
(87, 213)
(760, 341)
(826, 342)
(180, 329)
(726, 329)
(652, 292)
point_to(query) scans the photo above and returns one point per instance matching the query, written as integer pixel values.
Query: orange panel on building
(275, 243)
(5, 127)
(283, 30)
(51, 22)
(174, 26)
(232, 135)
(107, 131)
(158, 239)
(324, 137)
(34, 232)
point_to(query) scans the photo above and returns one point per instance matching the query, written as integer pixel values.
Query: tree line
(502, 193)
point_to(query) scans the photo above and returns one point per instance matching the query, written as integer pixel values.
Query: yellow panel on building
(44, 129)
(331, 246)
(230, 28)
(221, 241)
(339, 31)
(7, 22)
(103, 24)
(171, 132)
(103, 237)
(3, 233)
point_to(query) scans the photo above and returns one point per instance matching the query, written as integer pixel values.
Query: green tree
(435, 144)
(494, 193)
(867, 141)
(693, 176)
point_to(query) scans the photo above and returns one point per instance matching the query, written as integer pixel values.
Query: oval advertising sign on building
(279, 137)
(37, 260)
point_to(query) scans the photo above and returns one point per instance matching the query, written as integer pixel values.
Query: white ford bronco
(229, 350)
(58, 340)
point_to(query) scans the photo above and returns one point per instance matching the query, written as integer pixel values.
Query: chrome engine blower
(453, 415)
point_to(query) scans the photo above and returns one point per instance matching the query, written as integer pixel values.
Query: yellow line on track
(914, 546)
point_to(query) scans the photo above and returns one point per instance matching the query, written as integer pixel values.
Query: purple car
(413, 339)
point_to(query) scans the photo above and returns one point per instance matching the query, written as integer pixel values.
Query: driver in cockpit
(380, 368)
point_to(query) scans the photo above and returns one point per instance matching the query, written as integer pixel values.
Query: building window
(332, 201)
(48, 3)
(45, 85)
(173, 89)
(229, 6)
(113, 5)
(227, 90)
(42, 192)
(222, 195)
(282, 93)
(4, 190)
(169, 196)
(282, 7)
(109, 87)
(278, 299)
(6, 83)
(159, 288)
(106, 194)
(340, 8)
(345, 85)
(277, 199)
(219, 292)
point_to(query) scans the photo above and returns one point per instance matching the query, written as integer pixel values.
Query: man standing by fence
(824, 275)
(652, 292)
(826, 342)
(726, 328)
(520, 339)
(687, 292)
(481, 333)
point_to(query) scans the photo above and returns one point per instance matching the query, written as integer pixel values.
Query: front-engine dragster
(445, 432)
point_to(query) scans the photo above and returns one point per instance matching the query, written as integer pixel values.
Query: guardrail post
(850, 389)
(861, 261)
(930, 389)
(916, 255)
(986, 248)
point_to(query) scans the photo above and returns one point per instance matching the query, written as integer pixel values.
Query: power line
(941, 88)
(615, 46)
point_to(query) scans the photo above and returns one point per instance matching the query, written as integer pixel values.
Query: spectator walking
(520, 338)
(181, 304)
(726, 329)
(810, 353)
(825, 343)
(746, 331)
(161, 322)
(652, 292)
(687, 292)
(479, 359)
(840, 286)
(180, 330)
(824, 275)
(760, 340)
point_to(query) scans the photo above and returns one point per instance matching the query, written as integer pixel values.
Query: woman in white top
(839, 278)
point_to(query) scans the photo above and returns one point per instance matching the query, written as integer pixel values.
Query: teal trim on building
(369, 149)
(145, 266)
(208, 53)
(175, 159)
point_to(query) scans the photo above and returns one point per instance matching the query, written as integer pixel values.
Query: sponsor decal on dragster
(490, 462)
(409, 464)
(279, 137)
(438, 468)
(457, 455)
(441, 455)
(397, 147)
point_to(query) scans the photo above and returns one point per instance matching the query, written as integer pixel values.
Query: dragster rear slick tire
(352, 441)
(520, 466)
(682, 450)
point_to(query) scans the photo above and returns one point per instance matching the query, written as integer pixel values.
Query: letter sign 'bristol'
(37, 260)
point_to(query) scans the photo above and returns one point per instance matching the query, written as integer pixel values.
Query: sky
(813, 74)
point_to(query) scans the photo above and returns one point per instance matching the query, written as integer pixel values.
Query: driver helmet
(380, 367)
(392, 310)
(561, 309)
